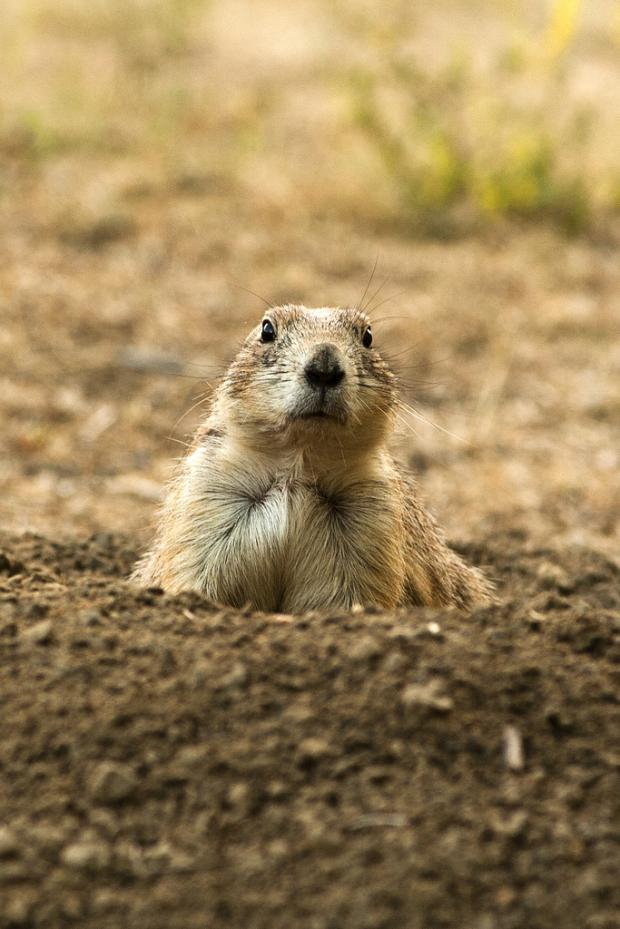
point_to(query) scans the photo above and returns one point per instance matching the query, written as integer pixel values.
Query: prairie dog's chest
(254, 544)
(289, 542)
(268, 513)
(276, 523)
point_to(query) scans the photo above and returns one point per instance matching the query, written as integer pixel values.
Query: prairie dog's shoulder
(437, 573)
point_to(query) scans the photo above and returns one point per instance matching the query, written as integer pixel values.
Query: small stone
(104, 822)
(191, 756)
(278, 849)
(46, 836)
(39, 634)
(505, 896)
(312, 749)
(429, 695)
(430, 630)
(364, 649)
(299, 711)
(513, 749)
(394, 663)
(535, 619)
(14, 872)
(163, 857)
(236, 677)
(18, 910)
(71, 907)
(200, 674)
(281, 618)
(104, 901)
(238, 794)
(511, 824)
(86, 855)
(238, 800)
(403, 632)
(112, 783)
(129, 859)
(277, 790)
(552, 575)
(90, 618)
(9, 844)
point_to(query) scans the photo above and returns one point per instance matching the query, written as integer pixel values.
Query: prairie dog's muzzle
(324, 368)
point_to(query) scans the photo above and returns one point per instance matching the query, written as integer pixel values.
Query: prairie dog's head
(311, 375)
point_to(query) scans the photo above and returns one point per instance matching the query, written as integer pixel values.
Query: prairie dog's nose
(323, 368)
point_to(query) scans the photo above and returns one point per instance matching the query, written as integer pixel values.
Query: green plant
(456, 141)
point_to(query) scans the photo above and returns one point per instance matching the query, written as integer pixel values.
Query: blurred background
(161, 158)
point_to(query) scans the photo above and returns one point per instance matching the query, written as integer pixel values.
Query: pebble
(129, 859)
(90, 618)
(402, 632)
(200, 674)
(13, 872)
(513, 749)
(299, 712)
(238, 795)
(39, 634)
(511, 824)
(236, 677)
(278, 849)
(312, 749)
(163, 857)
(552, 575)
(105, 900)
(86, 855)
(364, 649)
(112, 782)
(278, 790)
(429, 695)
(46, 836)
(191, 756)
(394, 663)
(9, 844)
(17, 911)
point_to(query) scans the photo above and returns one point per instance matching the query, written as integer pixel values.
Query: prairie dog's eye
(268, 332)
(367, 337)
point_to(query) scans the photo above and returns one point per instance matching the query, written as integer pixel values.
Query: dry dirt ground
(170, 765)
(165, 764)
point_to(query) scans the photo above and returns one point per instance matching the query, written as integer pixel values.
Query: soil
(167, 764)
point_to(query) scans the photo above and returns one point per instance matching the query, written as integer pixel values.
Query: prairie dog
(288, 499)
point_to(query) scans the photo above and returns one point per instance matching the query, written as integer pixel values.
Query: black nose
(324, 368)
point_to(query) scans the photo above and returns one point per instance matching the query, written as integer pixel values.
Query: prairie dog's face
(311, 375)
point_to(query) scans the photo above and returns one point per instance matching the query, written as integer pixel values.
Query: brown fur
(289, 499)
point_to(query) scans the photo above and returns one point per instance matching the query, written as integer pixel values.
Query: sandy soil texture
(170, 765)
(165, 764)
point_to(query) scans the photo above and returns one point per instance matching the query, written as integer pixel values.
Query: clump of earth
(169, 764)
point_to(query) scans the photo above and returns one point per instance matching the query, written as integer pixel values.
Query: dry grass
(476, 130)
(437, 120)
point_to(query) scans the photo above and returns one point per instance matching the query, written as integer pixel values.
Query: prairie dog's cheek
(269, 357)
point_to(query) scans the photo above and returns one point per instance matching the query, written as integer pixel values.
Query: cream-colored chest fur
(281, 538)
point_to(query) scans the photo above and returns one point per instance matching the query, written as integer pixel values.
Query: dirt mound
(170, 765)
